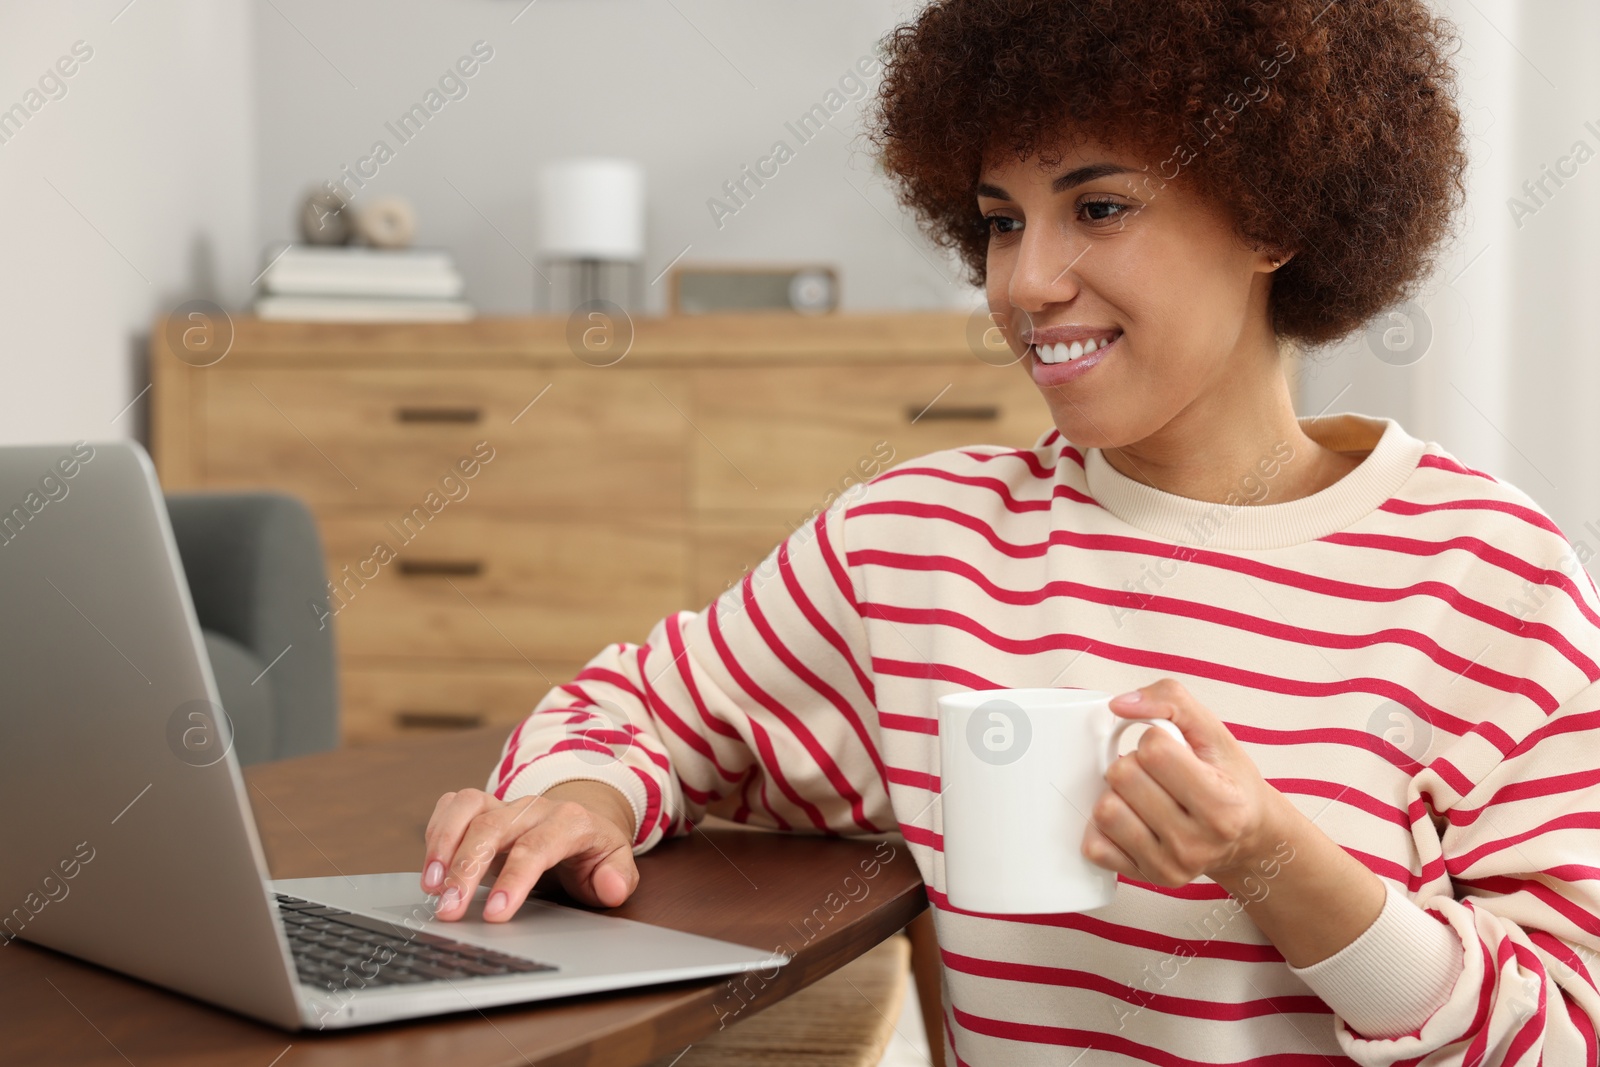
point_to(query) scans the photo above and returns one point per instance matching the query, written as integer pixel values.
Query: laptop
(121, 848)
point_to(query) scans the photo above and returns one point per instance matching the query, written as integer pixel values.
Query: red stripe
(916, 724)
(511, 754)
(798, 729)
(1029, 459)
(1196, 890)
(1483, 550)
(918, 835)
(847, 587)
(1328, 735)
(1532, 787)
(652, 808)
(1166, 1004)
(1452, 777)
(821, 626)
(560, 746)
(1585, 1027)
(1477, 1028)
(1577, 722)
(743, 812)
(770, 763)
(916, 779)
(1506, 884)
(607, 675)
(1038, 1034)
(1165, 662)
(950, 1038)
(1560, 950)
(1457, 665)
(945, 672)
(1000, 489)
(1532, 1028)
(1505, 507)
(663, 712)
(1578, 820)
(1386, 868)
(1433, 459)
(760, 782)
(1247, 566)
(1316, 787)
(1213, 948)
(679, 647)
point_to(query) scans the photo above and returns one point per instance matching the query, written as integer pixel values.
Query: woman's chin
(1090, 429)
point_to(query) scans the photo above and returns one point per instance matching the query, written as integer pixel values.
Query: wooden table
(363, 810)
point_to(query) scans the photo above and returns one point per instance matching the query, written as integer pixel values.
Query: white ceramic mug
(1020, 771)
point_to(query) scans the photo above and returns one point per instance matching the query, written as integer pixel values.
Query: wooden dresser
(495, 510)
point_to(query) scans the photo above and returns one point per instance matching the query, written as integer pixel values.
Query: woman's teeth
(1065, 353)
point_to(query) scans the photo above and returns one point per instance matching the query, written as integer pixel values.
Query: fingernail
(1129, 698)
(433, 874)
(497, 903)
(452, 897)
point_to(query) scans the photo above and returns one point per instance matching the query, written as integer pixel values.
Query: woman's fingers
(473, 839)
(489, 833)
(593, 858)
(447, 826)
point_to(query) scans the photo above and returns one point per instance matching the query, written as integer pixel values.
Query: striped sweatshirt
(1409, 656)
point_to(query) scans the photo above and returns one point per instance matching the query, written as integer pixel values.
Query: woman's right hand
(580, 828)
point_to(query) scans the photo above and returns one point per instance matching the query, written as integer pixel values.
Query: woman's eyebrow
(1063, 182)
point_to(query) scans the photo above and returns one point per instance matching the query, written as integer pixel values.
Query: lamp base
(577, 282)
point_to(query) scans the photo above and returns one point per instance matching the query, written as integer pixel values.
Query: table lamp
(592, 232)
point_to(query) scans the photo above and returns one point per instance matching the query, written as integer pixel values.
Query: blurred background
(178, 152)
(158, 153)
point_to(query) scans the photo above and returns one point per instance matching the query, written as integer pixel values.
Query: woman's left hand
(1170, 815)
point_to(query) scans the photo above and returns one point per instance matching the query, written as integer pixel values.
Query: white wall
(182, 146)
(693, 89)
(1510, 379)
(131, 192)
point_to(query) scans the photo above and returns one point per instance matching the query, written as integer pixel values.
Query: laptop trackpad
(575, 939)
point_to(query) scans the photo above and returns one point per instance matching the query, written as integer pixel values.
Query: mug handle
(1109, 755)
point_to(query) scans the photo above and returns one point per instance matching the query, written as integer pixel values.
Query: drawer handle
(984, 412)
(439, 414)
(454, 568)
(438, 720)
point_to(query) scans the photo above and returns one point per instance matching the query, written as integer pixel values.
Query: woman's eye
(1102, 210)
(1000, 225)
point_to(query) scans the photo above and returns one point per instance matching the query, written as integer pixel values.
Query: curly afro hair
(1325, 127)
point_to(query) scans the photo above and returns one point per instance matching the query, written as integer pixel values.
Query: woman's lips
(1069, 370)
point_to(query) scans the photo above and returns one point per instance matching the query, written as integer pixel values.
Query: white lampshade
(592, 209)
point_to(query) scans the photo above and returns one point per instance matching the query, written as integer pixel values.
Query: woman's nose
(1045, 270)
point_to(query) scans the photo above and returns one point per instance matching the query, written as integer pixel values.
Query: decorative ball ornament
(323, 219)
(386, 222)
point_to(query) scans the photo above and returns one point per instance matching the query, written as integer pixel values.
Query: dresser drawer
(382, 700)
(481, 586)
(781, 439)
(595, 438)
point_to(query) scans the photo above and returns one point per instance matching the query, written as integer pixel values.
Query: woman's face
(1100, 247)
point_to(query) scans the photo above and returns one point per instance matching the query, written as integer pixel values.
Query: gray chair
(255, 570)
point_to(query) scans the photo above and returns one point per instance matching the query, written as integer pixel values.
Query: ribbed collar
(1392, 456)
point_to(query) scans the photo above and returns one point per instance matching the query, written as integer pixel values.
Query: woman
(1380, 847)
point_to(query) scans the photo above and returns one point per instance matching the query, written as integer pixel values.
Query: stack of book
(355, 284)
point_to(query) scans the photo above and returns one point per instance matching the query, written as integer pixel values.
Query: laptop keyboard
(331, 947)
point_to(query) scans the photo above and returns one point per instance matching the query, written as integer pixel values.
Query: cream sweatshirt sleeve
(1502, 968)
